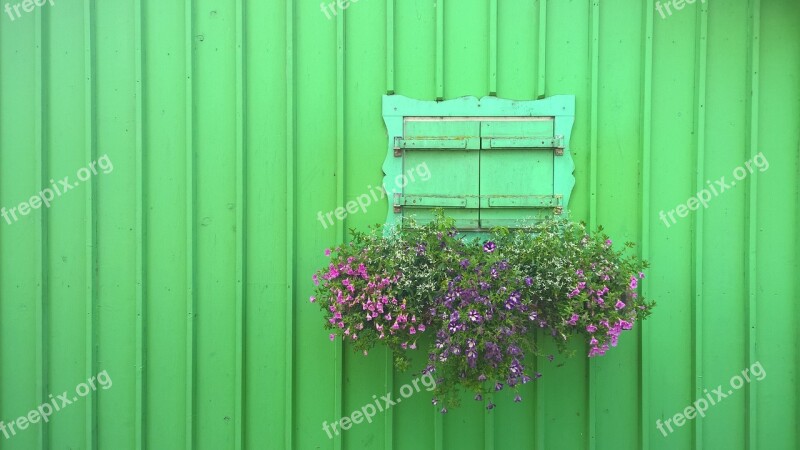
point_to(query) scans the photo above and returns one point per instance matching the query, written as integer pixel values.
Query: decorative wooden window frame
(557, 111)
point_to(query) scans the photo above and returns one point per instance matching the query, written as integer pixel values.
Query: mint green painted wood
(452, 160)
(520, 157)
(517, 163)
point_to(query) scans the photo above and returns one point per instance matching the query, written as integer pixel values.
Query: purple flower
(327, 252)
(619, 305)
(641, 274)
(489, 247)
(464, 263)
(513, 300)
(482, 377)
(474, 316)
(591, 328)
(573, 320)
(478, 397)
(634, 283)
(490, 406)
(498, 386)
(312, 299)
(528, 281)
(316, 279)
(608, 242)
(332, 336)
(517, 398)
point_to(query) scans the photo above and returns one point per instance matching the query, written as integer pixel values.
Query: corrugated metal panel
(231, 124)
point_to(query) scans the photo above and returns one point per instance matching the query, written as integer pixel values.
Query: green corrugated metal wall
(185, 272)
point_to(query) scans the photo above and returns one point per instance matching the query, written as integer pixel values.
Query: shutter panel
(450, 150)
(517, 179)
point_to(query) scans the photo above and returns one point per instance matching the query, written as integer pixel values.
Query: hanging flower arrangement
(479, 300)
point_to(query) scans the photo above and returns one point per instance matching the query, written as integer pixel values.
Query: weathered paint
(185, 272)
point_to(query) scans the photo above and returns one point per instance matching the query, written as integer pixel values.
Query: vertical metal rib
(390, 47)
(240, 381)
(492, 47)
(595, 61)
(91, 213)
(41, 154)
(338, 356)
(141, 345)
(439, 76)
(647, 144)
(290, 232)
(697, 242)
(542, 53)
(751, 218)
(190, 224)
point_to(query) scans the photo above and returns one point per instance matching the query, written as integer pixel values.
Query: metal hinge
(397, 150)
(397, 207)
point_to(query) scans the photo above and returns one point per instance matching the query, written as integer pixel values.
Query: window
(492, 162)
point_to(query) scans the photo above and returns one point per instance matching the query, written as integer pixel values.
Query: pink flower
(591, 328)
(573, 320)
(327, 252)
(312, 299)
(332, 336)
(619, 304)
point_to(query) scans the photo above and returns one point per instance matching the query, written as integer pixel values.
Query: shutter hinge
(397, 207)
